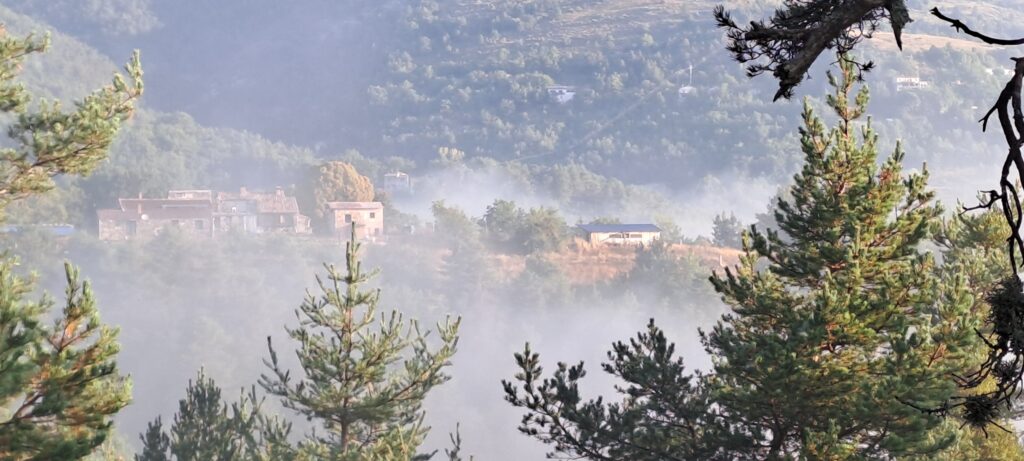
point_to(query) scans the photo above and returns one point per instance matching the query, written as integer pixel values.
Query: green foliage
(850, 320)
(205, 428)
(974, 247)
(114, 448)
(665, 413)
(513, 229)
(156, 445)
(59, 382)
(452, 226)
(542, 284)
(335, 182)
(49, 141)
(468, 273)
(455, 453)
(448, 156)
(727, 231)
(660, 277)
(502, 222)
(110, 17)
(543, 230)
(365, 377)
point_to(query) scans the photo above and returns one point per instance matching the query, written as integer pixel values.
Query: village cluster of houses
(208, 213)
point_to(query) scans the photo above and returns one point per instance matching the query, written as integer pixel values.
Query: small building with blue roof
(620, 234)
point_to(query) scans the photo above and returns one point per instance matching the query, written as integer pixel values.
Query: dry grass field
(586, 265)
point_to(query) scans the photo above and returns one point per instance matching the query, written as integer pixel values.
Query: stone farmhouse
(255, 212)
(366, 217)
(202, 213)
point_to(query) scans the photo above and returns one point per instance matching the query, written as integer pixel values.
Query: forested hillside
(403, 79)
(516, 120)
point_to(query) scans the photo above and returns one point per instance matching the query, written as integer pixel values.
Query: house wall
(369, 222)
(616, 238)
(275, 222)
(237, 223)
(145, 229)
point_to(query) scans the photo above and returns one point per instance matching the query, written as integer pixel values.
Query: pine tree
(364, 377)
(204, 429)
(851, 326)
(502, 222)
(974, 245)
(60, 382)
(665, 413)
(726, 231)
(47, 140)
(800, 30)
(156, 445)
(207, 428)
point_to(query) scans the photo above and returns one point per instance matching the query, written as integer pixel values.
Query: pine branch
(961, 27)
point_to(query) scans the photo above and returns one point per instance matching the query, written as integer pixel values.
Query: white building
(561, 94)
(621, 234)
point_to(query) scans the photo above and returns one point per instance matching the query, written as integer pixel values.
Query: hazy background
(252, 93)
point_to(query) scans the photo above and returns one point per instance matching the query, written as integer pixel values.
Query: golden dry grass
(921, 42)
(586, 264)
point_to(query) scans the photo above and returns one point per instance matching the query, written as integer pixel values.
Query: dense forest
(416, 78)
(516, 121)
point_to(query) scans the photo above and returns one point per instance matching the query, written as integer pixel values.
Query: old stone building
(258, 212)
(203, 213)
(366, 217)
(142, 218)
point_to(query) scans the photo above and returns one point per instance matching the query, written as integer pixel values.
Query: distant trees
(502, 223)
(111, 17)
(841, 329)
(660, 275)
(333, 181)
(452, 226)
(727, 231)
(365, 374)
(505, 227)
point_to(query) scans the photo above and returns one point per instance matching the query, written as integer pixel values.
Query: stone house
(258, 212)
(367, 217)
(203, 213)
(142, 218)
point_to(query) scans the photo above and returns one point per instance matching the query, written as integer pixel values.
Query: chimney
(242, 190)
(279, 191)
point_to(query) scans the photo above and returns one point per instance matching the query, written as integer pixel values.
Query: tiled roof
(270, 203)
